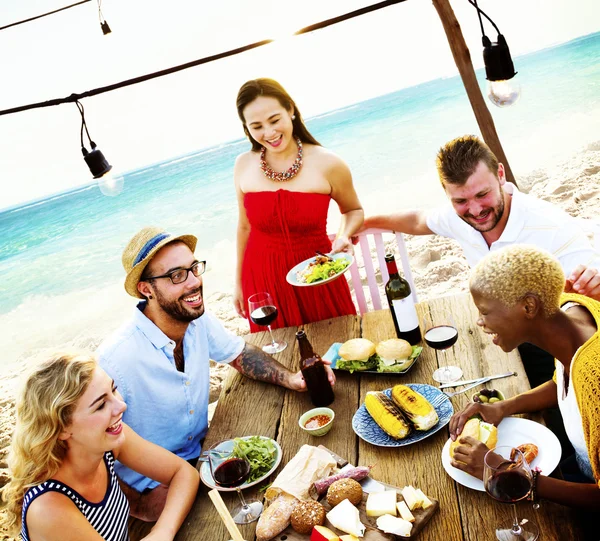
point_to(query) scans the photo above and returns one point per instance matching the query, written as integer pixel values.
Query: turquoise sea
(60, 256)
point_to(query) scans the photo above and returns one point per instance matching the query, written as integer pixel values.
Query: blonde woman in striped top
(69, 432)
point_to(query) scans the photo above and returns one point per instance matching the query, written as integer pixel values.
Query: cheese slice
(412, 499)
(405, 512)
(344, 516)
(381, 503)
(394, 525)
(426, 501)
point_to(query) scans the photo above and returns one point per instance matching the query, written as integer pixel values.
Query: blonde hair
(515, 271)
(44, 410)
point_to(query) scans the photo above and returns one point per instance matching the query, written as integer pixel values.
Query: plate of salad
(319, 270)
(264, 455)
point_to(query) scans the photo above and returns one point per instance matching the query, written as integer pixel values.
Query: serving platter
(513, 431)
(207, 478)
(292, 278)
(333, 356)
(367, 429)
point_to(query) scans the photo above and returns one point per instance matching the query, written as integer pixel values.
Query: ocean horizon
(61, 254)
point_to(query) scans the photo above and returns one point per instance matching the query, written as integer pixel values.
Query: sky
(375, 54)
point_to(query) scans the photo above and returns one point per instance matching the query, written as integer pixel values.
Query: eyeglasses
(178, 276)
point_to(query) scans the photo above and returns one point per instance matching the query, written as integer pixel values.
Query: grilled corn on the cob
(415, 407)
(386, 414)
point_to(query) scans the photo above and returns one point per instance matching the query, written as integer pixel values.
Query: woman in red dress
(284, 184)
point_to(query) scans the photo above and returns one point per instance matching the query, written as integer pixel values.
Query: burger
(357, 354)
(396, 355)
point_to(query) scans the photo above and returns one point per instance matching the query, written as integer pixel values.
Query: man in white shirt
(485, 213)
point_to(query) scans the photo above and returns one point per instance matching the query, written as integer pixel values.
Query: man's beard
(179, 311)
(496, 213)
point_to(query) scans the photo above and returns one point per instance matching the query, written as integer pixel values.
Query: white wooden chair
(365, 250)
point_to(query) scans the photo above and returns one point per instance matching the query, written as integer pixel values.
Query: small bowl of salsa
(317, 421)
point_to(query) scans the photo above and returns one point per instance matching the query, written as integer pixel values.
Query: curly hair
(509, 274)
(44, 410)
(270, 88)
(458, 159)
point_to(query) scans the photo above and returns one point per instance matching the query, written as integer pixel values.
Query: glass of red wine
(263, 312)
(508, 479)
(442, 335)
(230, 471)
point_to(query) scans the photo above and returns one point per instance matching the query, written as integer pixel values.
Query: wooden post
(462, 58)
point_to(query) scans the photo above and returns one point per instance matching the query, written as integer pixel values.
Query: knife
(467, 381)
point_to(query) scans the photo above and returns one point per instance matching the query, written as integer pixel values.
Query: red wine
(402, 305)
(441, 337)
(508, 486)
(265, 315)
(232, 472)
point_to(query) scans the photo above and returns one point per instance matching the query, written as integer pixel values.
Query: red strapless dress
(287, 228)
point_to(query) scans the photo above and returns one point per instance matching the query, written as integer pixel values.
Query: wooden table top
(248, 407)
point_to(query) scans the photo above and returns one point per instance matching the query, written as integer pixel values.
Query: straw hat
(142, 248)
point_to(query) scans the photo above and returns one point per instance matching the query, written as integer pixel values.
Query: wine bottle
(315, 375)
(401, 304)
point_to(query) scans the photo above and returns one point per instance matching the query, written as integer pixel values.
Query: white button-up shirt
(165, 406)
(531, 221)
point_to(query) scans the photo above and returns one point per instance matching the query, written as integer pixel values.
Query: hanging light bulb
(105, 28)
(109, 183)
(503, 90)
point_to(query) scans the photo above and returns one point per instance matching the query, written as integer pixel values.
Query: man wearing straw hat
(160, 358)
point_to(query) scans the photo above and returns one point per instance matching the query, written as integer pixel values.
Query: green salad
(402, 365)
(321, 271)
(260, 453)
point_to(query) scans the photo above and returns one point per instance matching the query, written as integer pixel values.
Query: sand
(438, 266)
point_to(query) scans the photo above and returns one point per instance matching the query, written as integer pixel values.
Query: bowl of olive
(488, 396)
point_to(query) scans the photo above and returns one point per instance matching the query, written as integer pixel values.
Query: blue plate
(333, 356)
(292, 278)
(367, 429)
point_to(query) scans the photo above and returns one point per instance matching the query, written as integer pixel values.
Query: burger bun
(357, 349)
(394, 349)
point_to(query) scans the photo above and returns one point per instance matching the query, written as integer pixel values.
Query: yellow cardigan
(585, 373)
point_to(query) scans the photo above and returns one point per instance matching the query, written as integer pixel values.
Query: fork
(478, 382)
(438, 400)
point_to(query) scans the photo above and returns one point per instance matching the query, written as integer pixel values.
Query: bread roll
(394, 349)
(306, 515)
(357, 349)
(344, 489)
(476, 428)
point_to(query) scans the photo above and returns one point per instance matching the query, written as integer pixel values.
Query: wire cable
(232, 52)
(43, 15)
(480, 13)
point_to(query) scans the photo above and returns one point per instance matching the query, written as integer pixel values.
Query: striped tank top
(108, 517)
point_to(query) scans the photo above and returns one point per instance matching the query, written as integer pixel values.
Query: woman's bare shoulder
(326, 157)
(47, 505)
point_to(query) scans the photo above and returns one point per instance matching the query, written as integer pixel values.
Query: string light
(502, 89)
(103, 24)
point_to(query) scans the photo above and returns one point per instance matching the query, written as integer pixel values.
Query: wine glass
(507, 478)
(263, 312)
(230, 471)
(441, 336)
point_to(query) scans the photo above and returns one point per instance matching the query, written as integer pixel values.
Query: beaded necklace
(283, 175)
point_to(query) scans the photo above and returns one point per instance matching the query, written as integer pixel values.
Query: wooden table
(247, 407)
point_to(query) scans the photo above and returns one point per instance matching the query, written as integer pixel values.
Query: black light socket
(105, 28)
(498, 62)
(96, 161)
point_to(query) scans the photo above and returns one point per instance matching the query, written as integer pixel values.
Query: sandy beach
(437, 263)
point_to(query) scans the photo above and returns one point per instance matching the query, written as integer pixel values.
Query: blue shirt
(165, 406)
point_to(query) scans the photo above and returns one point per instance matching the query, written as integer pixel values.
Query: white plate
(513, 431)
(293, 279)
(367, 429)
(207, 478)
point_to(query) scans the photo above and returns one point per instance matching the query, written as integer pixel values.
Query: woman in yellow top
(518, 292)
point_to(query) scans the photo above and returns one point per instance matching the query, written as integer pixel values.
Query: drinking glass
(229, 471)
(507, 478)
(441, 336)
(263, 312)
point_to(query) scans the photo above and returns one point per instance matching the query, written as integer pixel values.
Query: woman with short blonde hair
(517, 291)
